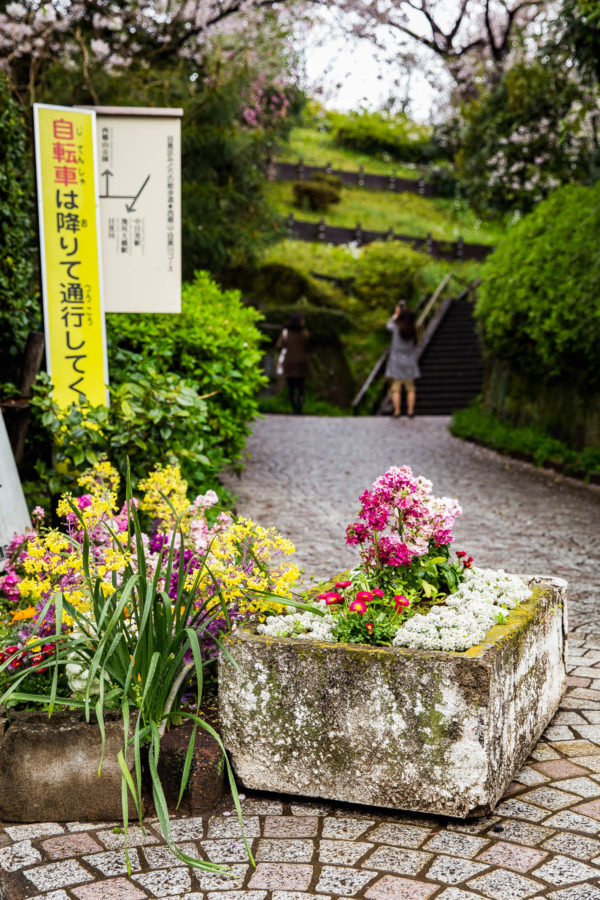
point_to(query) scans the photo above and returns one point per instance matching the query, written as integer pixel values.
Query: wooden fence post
(460, 247)
(429, 244)
(290, 223)
(328, 168)
(421, 187)
(358, 234)
(321, 228)
(300, 169)
(392, 183)
(361, 176)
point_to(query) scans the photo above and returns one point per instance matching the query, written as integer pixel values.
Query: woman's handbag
(282, 353)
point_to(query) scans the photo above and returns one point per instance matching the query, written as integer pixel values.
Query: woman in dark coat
(402, 366)
(294, 340)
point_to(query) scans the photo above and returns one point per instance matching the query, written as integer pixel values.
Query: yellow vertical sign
(65, 145)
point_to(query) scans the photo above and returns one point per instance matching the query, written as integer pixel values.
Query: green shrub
(317, 195)
(19, 304)
(389, 272)
(283, 284)
(153, 417)
(215, 343)
(378, 134)
(525, 442)
(539, 304)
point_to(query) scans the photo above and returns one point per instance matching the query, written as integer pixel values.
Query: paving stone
(136, 837)
(212, 881)
(521, 810)
(456, 844)
(281, 877)
(585, 694)
(559, 733)
(561, 871)
(577, 703)
(18, 856)
(341, 880)
(232, 895)
(573, 821)
(192, 829)
(585, 787)
(400, 835)
(577, 748)
(474, 826)
(543, 752)
(574, 845)
(300, 809)
(166, 882)
(591, 808)
(392, 888)
(591, 762)
(291, 826)
(513, 788)
(590, 733)
(592, 715)
(343, 853)
(226, 828)
(560, 768)
(512, 856)
(254, 806)
(284, 851)
(450, 870)
(114, 862)
(585, 672)
(70, 845)
(346, 828)
(397, 860)
(57, 875)
(163, 858)
(90, 826)
(521, 833)
(34, 831)
(550, 798)
(53, 895)
(503, 885)
(453, 893)
(579, 892)
(568, 718)
(114, 889)
(530, 776)
(225, 851)
(297, 895)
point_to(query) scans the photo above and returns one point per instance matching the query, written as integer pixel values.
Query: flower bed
(417, 682)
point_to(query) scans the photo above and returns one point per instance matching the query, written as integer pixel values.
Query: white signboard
(139, 164)
(14, 517)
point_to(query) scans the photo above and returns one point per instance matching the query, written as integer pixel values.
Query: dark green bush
(285, 285)
(317, 195)
(154, 417)
(443, 180)
(389, 272)
(215, 343)
(378, 134)
(539, 303)
(20, 310)
(525, 442)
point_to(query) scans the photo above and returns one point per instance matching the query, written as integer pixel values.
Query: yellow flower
(165, 496)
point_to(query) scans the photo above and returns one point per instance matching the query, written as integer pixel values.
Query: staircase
(451, 362)
(450, 357)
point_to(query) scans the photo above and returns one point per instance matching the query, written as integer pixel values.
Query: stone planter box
(49, 768)
(429, 731)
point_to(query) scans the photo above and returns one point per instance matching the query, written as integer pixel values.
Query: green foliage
(214, 343)
(389, 272)
(525, 442)
(313, 405)
(539, 305)
(378, 134)
(318, 194)
(153, 417)
(522, 139)
(19, 303)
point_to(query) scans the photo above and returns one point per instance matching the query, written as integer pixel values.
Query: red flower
(378, 593)
(369, 628)
(48, 648)
(10, 650)
(359, 605)
(342, 584)
(400, 601)
(460, 553)
(333, 597)
(363, 597)
(16, 664)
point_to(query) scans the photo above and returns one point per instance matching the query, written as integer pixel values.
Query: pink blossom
(358, 606)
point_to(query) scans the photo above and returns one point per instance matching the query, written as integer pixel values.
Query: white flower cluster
(299, 625)
(468, 614)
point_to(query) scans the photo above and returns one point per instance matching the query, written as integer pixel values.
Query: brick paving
(543, 840)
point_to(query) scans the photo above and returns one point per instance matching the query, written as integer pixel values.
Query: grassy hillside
(406, 213)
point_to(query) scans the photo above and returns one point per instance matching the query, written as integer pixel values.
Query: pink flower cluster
(400, 519)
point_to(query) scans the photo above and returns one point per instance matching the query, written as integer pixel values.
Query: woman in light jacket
(402, 368)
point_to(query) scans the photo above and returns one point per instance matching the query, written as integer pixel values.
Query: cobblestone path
(544, 837)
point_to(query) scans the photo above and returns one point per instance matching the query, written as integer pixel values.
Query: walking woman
(294, 341)
(402, 368)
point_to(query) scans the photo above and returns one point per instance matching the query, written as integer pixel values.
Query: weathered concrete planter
(434, 732)
(49, 768)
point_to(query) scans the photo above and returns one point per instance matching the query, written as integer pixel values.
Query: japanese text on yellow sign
(71, 273)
